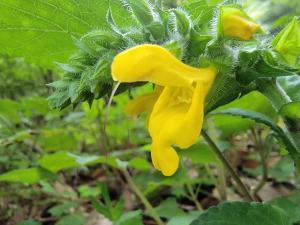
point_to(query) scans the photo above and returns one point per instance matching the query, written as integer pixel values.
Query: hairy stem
(222, 187)
(227, 165)
(263, 153)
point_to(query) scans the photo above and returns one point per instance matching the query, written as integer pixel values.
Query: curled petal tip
(164, 158)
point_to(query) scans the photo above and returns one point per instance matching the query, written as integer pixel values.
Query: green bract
(287, 43)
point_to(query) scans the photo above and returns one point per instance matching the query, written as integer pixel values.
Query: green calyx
(287, 43)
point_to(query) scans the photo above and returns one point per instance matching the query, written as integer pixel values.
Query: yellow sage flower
(235, 23)
(175, 108)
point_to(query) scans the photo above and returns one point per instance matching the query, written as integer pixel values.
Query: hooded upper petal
(154, 64)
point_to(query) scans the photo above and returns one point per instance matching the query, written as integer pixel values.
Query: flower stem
(194, 196)
(227, 165)
(143, 199)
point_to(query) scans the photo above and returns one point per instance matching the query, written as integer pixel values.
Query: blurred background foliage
(63, 167)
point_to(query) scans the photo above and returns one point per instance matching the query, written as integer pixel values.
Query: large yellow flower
(175, 107)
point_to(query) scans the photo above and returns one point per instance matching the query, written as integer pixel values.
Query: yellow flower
(175, 108)
(235, 23)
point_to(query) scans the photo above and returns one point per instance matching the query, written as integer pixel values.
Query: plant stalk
(143, 199)
(194, 197)
(227, 165)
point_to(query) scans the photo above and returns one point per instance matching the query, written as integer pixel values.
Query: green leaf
(259, 64)
(139, 164)
(181, 21)
(283, 170)
(130, 218)
(291, 115)
(88, 192)
(287, 43)
(254, 101)
(184, 219)
(261, 118)
(201, 11)
(169, 208)
(61, 209)
(243, 213)
(74, 219)
(141, 10)
(9, 110)
(57, 140)
(41, 30)
(64, 160)
(26, 176)
(112, 212)
(291, 85)
(199, 153)
(291, 205)
(291, 110)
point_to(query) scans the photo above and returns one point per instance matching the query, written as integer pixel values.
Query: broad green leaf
(41, 30)
(199, 153)
(169, 208)
(64, 160)
(26, 176)
(139, 164)
(291, 205)
(243, 213)
(253, 101)
(130, 218)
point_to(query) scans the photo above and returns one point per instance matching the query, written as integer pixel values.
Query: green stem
(222, 187)
(194, 196)
(143, 199)
(227, 165)
(263, 153)
(278, 97)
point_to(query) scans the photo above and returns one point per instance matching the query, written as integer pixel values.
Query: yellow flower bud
(235, 23)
